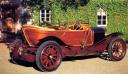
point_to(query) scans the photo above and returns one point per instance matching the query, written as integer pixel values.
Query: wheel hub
(50, 56)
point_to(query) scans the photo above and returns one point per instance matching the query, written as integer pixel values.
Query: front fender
(103, 44)
(115, 34)
(109, 37)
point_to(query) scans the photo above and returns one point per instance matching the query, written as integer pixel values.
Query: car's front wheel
(117, 49)
(48, 56)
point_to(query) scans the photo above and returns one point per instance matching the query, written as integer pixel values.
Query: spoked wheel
(117, 49)
(48, 56)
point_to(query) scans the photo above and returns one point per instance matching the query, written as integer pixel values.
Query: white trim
(49, 16)
(45, 13)
(101, 25)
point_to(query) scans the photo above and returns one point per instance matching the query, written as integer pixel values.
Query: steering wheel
(75, 26)
(78, 26)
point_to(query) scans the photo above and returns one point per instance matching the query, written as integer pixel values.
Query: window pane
(42, 19)
(42, 11)
(47, 15)
(104, 17)
(47, 11)
(104, 22)
(47, 19)
(42, 15)
(99, 17)
(99, 22)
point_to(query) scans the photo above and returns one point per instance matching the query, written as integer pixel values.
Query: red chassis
(48, 45)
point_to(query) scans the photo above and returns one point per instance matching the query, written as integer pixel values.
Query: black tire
(49, 52)
(13, 60)
(13, 48)
(117, 49)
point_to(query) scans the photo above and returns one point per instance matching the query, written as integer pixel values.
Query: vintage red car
(47, 46)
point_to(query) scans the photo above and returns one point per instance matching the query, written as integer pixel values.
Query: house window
(101, 18)
(45, 15)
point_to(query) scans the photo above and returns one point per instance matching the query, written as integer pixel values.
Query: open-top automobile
(47, 46)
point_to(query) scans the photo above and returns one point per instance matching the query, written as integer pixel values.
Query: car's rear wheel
(117, 49)
(48, 56)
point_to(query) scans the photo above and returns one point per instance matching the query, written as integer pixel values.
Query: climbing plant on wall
(65, 11)
(73, 3)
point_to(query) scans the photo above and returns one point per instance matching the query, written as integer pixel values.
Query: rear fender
(51, 38)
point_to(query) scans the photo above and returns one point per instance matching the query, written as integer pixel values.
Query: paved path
(85, 66)
(127, 48)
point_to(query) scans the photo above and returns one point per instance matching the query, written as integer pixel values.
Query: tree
(30, 2)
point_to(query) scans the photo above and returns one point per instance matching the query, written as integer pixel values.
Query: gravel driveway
(83, 65)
